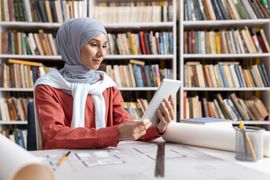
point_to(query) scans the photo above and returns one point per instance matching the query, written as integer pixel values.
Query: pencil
(249, 143)
(63, 158)
(244, 138)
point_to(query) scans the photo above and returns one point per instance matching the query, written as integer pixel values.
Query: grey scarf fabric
(70, 38)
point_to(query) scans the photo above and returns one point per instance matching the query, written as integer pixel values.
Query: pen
(63, 158)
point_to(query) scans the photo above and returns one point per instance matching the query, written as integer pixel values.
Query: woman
(81, 107)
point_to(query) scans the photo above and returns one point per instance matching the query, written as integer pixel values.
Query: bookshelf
(191, 21)
(87, 8)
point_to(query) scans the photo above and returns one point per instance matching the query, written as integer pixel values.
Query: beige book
(138, 62)
(19, 105)
(32, 45)
(29, 80)
(52, 44)
(38, 43)
(207, 76)
(257, 75)
(31, 77)
(253, 109)
(117, 76)
(246, 40)
(58, 10)
(224, 44)
(200, 75)
(238, 38)
(48, 11)
(6, 11)
(188, 75)
(132, 75)
(22, 76)
(45, 42)
(232, 10)
(212, 42)
(260, 107)
(19, 38)
(265, 40)
(210, 9)
(213, 76)
(127, 76)
(208, 42)
(254, 50)
(67, 10)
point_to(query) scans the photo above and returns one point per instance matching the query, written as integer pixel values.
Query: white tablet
(167, 87)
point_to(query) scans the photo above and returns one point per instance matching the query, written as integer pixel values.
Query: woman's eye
(104, 46)
(94, 45)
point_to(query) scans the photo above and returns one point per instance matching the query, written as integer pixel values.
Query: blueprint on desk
(136, 160)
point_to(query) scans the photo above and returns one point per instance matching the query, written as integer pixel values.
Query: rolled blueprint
(18, 164)
(210, 136)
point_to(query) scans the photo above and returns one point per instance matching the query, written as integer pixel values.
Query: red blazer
(54, 111)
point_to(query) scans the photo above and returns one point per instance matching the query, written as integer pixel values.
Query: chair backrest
(31, 129)
(34, 135)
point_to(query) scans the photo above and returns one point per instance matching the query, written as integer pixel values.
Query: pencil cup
(249, 144)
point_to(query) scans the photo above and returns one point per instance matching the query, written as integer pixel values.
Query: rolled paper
(218, 136)
(18, 164)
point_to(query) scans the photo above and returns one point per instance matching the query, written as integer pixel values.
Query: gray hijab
(70, 38)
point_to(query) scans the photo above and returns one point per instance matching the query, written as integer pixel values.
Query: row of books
(20, 74)
(195, 10)
(232, 108)
(14, 109)
(134, 11)
(137, 74)
(136, 109)
(13, 42)
(226, 41)
(141, 43)
(18, 136)
(42, 11)
(225, 74)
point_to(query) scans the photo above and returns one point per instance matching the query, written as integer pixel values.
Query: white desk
(136, 160)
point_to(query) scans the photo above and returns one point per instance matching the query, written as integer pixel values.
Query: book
(206, 120)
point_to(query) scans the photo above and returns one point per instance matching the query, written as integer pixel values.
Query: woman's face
(93, 53)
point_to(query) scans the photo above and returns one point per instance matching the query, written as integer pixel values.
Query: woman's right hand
(133, 130)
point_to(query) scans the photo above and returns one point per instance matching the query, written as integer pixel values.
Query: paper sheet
(216, 137)
(136, 161)
(18, 164)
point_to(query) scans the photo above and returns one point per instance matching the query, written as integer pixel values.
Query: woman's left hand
(165, 113)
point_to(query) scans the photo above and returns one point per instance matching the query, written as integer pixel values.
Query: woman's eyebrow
(96, 40)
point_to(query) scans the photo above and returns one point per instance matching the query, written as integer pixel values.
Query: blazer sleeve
(57, 134)
(121, 115)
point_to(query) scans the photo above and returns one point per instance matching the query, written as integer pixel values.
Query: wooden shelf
(224, 56)
(226, 89)
(13, 122)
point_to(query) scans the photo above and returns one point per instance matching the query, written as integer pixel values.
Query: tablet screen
(168, 87)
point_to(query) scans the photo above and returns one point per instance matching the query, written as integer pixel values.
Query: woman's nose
(101, 52)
